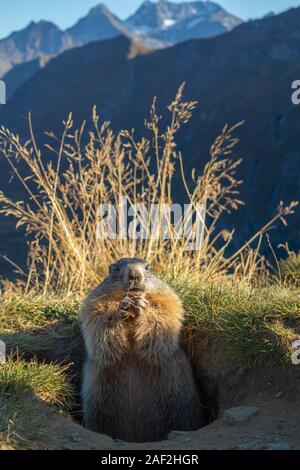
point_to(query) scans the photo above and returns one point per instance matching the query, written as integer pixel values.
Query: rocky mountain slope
(99, 24)
(42, 38)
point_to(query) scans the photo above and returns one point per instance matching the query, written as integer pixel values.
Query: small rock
(278, 395)
(273, 439)
(76, 437)
(240, 414)
(186, 441)
(119, 443)
(249, 446)
(242, 447)
(173, 435)
(279, 446)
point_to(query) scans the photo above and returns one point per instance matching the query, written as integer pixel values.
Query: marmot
(137, 382)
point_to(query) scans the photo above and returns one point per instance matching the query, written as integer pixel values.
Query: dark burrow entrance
(209, 394)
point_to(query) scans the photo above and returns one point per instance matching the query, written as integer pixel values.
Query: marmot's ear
(111, 268)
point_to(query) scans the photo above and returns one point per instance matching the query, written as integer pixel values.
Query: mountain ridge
(45, 39)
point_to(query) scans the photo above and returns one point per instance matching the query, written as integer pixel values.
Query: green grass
(30, 324)
(290, 269)
(20, 420)
(251, 325)
(21, 313)
(27, 324)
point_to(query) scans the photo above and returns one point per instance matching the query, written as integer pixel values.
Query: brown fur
(138, 384)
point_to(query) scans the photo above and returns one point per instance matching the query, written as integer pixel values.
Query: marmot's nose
(135, 275)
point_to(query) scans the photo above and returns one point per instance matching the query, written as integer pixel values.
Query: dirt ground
(275, 425)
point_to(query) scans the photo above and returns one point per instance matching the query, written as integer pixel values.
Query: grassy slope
(251, 325)
(20, 381)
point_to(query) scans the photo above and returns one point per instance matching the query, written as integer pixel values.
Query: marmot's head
(133, 275)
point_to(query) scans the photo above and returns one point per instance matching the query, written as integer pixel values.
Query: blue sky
(15, 14)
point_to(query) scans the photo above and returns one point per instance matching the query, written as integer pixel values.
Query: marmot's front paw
(126, 308)
(131, 306)
(140, 305)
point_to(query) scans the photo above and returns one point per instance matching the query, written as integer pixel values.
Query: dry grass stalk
(65, 191)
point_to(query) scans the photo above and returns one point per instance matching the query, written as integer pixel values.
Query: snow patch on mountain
(168, 22)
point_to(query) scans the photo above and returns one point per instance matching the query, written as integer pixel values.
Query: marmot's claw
(141, 304)
(124, 314)
(126, 303)
(127, 308)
